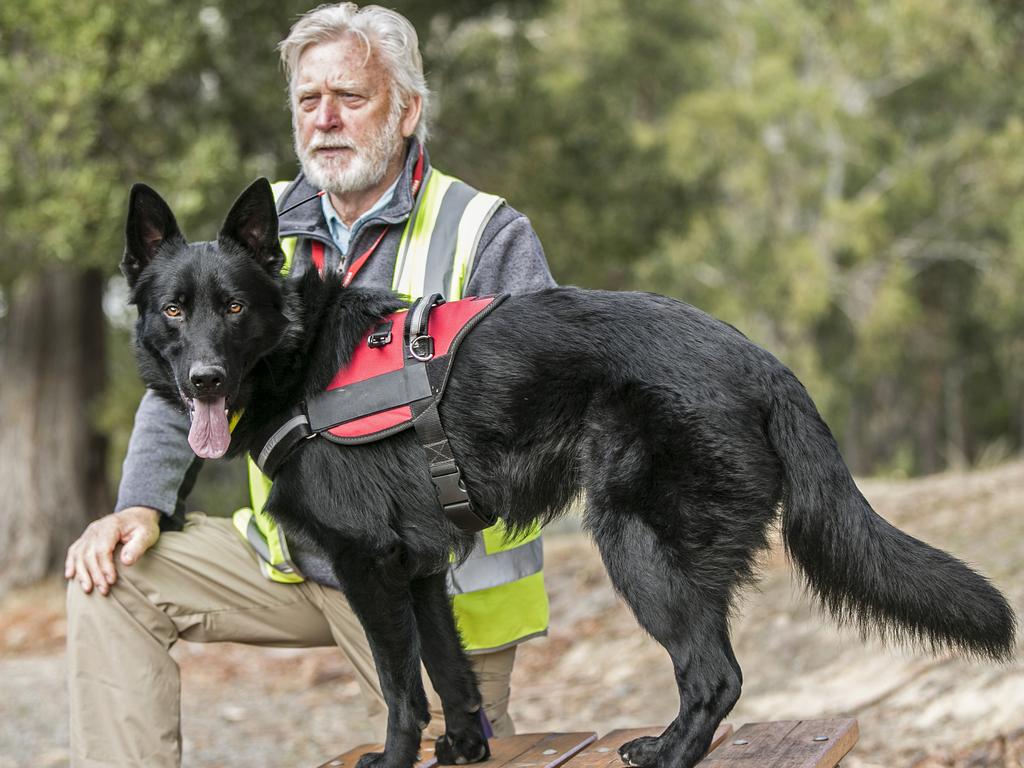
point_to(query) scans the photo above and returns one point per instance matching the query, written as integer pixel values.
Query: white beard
(361, 170)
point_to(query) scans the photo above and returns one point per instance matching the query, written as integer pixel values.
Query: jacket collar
(308, 220)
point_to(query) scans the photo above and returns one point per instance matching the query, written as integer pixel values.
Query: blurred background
(842, 181)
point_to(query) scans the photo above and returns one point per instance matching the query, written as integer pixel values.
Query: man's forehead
(344, 61)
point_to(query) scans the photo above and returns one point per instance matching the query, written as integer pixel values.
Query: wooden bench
(781, 744)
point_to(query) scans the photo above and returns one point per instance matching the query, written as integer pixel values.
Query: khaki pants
(203, 584)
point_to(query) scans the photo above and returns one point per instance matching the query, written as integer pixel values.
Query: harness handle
(418, 341)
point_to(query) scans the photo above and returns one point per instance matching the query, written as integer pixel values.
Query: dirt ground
(267, 707)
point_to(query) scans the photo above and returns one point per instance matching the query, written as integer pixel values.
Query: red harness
(447, 323)
(394, 380)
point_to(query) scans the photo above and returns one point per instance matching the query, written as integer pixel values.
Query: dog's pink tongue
(209, 435)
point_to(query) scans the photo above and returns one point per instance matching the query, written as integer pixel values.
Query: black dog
(685, 439)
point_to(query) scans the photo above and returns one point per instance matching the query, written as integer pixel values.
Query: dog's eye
(172, 310)
(234, 307)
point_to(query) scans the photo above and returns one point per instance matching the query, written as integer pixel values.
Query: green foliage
(558, 113)
(100, 95)
(854, 212)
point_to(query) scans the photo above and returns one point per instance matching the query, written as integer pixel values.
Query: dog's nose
(207, 379)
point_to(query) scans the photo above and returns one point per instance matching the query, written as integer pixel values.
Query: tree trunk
(955, 421)
(926, 426)
(52, 472)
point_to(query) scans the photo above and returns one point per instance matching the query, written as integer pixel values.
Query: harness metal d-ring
(430, 348)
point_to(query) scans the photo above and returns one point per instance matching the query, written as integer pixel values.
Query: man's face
(347, 130)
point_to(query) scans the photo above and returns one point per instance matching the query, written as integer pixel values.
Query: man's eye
(172, 310)
(234, 307)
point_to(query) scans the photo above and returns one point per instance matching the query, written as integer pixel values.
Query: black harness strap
(426, 421)
(280, 440)
(444, 472)
(337, 406)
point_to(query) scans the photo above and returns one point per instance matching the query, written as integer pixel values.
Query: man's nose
(328, 116)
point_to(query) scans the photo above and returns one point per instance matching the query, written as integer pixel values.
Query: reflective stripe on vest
(497, 559)
(439, 243)
(269, 546)
(498, 593)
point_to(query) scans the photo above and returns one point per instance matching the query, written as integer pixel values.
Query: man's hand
(91, 559)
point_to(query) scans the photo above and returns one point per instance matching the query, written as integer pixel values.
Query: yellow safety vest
(498, 593)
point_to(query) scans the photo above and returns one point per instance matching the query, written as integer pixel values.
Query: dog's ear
(252, 224)
(150, 225)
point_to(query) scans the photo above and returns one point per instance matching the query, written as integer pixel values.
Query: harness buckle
(450, 488)
(380, 337)
(454, 500)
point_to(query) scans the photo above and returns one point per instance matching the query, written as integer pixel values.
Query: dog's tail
(863, 569)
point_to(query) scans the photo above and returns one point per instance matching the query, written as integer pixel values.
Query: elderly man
(368, 209)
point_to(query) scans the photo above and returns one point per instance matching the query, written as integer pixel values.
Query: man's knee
(94, 618)
(81, 604)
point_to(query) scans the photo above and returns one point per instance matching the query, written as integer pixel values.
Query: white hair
(393, 35)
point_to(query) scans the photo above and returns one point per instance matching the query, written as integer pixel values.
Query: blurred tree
(559, 114)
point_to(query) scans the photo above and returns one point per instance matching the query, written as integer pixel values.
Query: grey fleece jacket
(160, 467)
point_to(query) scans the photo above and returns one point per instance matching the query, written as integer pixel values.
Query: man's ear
(150, 225)
(411, 115)
(252, 224)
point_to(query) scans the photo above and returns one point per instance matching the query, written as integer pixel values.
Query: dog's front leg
(451, 674)
(378, 591)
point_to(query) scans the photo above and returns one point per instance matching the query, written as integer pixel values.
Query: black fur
(685, 439)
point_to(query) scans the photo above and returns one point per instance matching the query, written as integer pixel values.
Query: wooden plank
(526, 750)
(787, 744)
(782, 744)
(605, 752)
(510, 747)
(549, 751)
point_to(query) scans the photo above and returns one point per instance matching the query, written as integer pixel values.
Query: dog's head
(207, 311)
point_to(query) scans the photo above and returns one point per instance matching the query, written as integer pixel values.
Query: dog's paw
(382, 760)
(461, 749)
(642, 752)
(370, 760)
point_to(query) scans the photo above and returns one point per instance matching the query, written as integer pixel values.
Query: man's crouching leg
(202, 584)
